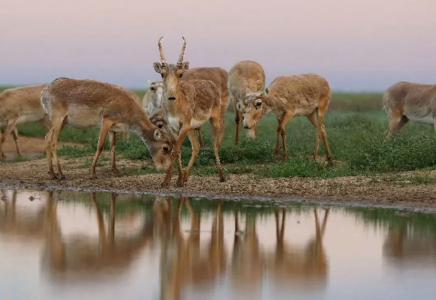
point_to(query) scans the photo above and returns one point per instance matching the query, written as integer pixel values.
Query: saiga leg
(113, 141)
(281, 130)
(195, 150)
(17, 143)
(57, 127)
(176, 155)
(200, 136)
(106, 124)
(9, 129)
(397, 121)
(215, 122)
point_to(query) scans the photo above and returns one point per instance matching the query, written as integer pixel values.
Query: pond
(79, 245)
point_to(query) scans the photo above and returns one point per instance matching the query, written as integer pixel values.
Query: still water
(69, 245)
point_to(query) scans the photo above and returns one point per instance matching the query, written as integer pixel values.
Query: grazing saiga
(287, 97)
(20, 105)
(187, 106)
(406, 101)
(244, 75)
(87, 103)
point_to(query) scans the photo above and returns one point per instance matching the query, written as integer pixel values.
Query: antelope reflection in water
(248, 264)
(193, 261)
(81, 257)
(306, 267)
(20, 222)
(184, 263)
(406, 245)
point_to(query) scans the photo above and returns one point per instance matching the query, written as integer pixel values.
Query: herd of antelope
(177, 106)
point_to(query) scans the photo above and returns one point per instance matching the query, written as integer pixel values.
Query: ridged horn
(161, 53)
(182, 53)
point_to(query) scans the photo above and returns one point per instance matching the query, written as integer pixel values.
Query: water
(72, 245)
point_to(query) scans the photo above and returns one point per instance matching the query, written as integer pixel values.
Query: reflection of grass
(355, 126)
(131, 202)
(423, 223)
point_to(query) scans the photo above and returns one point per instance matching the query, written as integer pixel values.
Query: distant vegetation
(355, 126)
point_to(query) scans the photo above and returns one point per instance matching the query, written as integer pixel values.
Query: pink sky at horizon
(356, 45)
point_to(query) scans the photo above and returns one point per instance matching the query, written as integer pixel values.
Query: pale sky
(355, 44)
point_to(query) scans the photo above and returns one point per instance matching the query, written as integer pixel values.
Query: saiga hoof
(180, 183)
(222, 179)
(53, 176)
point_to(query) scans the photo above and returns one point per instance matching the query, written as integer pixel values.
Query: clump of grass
(74, 152)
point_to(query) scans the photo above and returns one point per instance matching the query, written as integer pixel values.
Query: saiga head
(171, 73)
(160, 147)
(252, 111)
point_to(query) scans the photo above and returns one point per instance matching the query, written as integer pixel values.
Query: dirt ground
(346, 190)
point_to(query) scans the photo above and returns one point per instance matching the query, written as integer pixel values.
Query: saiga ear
(157, 135)
(157, 67)
(185, 66)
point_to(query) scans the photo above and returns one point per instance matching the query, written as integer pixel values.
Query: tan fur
(219, 77)
(245, 74)
(187, 105)
(20, 105)
(88, 103)
(125, 135)
(406, 101)
(289, 96)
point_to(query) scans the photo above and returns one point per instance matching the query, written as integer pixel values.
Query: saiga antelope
(406, 101)
(20, 105)
(219, 77)
(187, 106)
(287, 97)
(244, 75)
(152, 104)
(87, 103)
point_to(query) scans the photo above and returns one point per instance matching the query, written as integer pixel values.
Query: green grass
(355, 126)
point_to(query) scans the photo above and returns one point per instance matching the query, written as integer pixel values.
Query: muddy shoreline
(350, 191)
(324, 202)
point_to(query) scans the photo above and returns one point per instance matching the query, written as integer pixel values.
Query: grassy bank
(355, 125)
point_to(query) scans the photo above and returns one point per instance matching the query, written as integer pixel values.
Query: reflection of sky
(356, 266)
(356, 45)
